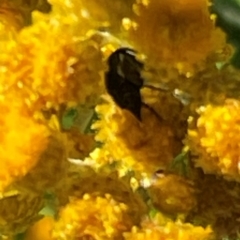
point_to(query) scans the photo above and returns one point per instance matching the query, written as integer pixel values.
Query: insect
(123, 81)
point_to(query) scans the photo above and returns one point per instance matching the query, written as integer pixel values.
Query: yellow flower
(155, 230)
(179, 33)
(143, 146)
(22, 142)
(92, 217)
(106, 182)
(214, 139)
(48, 70)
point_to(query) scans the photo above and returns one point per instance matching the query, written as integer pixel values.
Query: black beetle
(123, 80)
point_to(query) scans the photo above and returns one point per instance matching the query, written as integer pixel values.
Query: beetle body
(123, 81)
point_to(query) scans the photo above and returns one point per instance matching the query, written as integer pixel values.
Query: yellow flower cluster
(39, 71)
(159, 227)
(142, 146)
(52, 61)
(108, 182)
(45, 77)
(42, 66)
(92, 217)
(179, 33)
(154, 230)
(214, 139)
